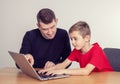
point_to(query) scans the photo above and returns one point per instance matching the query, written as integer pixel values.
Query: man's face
(48, 31)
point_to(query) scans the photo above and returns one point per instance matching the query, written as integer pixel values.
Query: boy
(90, 56)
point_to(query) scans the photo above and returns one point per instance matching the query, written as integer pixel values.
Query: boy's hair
(82, 27)
(45, 15)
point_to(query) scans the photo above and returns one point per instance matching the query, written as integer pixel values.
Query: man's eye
(44, 29)
(53, 27)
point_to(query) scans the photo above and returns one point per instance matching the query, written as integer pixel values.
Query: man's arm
(49, 64)
(67, 48)
(26, 46)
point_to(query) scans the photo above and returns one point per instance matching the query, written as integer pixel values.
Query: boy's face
(48, 31)
(77, 40)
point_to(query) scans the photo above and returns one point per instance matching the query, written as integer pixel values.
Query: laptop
(26, 68)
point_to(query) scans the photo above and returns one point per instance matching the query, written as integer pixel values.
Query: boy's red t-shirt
(94, 56)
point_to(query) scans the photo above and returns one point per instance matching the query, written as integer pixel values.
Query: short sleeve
(73, 55)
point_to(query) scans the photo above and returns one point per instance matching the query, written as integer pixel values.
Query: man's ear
(38, 25)
(56, 20)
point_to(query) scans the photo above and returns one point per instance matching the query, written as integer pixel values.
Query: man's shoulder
(33, 30)
(61, 33)
(33, 33)
(60, 30)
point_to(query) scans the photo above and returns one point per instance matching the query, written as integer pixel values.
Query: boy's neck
(86, 48)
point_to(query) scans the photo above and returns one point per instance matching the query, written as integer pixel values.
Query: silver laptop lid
(24, 65)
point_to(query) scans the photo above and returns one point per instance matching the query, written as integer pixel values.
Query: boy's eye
(75, 39)
(70, 38)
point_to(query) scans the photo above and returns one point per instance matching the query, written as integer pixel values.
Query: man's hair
(45, 15)
(82, 27)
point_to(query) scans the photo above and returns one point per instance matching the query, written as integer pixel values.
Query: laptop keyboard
(43, 75)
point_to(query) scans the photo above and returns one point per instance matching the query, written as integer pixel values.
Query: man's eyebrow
(47, 28)
(52, 26)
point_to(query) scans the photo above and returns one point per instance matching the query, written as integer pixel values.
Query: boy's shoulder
(96, 47)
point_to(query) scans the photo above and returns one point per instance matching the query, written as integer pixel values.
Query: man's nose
(49, 31)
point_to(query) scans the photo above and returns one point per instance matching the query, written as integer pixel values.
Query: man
(47, 45)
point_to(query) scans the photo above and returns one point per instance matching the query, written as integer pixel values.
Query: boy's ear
(87, 38)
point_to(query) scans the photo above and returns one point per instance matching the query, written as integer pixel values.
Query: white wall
(18, 16)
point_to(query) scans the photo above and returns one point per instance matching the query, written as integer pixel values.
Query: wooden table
(11, 75)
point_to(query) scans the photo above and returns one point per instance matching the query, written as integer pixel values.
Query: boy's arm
(59, 69)
(81, 71)
(62, 65)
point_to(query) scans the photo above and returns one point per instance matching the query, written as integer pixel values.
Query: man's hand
(48, 64)
(30, 58)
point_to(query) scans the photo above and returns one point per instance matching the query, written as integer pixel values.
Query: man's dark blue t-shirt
(43, 50)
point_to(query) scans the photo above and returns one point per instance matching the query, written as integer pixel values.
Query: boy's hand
(51, 72)
(55, 72)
